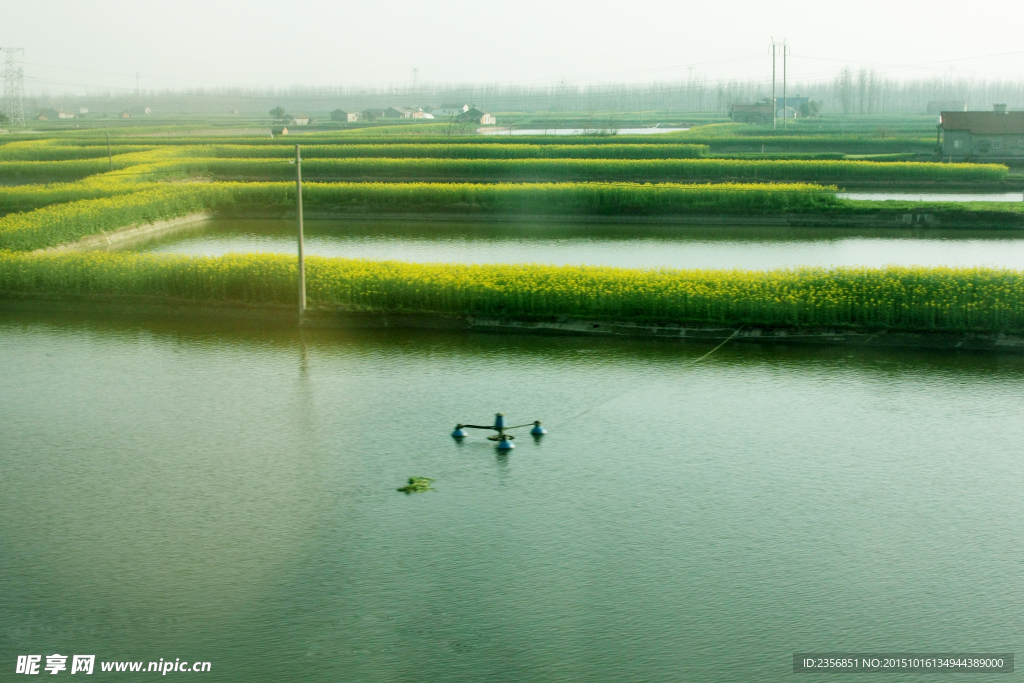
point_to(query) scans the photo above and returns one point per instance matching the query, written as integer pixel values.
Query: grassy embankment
(896, 298)
(630, 170)
(113, 201)
(522, 170)
(52, 225)
(910, 299)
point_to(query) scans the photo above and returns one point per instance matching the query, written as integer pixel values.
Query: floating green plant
(417, 485)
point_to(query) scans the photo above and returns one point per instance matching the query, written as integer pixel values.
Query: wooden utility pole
(302, 262)
(774, 107)
(110, 155)
(785, 101)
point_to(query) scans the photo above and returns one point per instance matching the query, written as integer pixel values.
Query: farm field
(62, 189)
(677, 342)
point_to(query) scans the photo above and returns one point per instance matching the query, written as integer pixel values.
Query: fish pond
(225, 491)
(633, 246)
(651, 130)
(935, 196)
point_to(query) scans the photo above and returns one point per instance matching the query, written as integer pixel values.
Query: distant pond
(622, 245)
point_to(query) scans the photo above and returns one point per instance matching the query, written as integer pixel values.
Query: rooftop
(984, 122)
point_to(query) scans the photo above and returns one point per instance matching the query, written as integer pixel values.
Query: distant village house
(344, 116)
(789, 107)
(447, 110)
(761, 112)
(982, 134)
(55, 114)
(475, 115)
(398, 113)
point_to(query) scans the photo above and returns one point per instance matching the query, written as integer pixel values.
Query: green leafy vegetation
(935, 299)
(554, 170)
(417, 485)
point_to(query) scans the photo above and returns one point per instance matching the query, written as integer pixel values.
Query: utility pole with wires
(302, 261)
(774, 110)
(14, 86)
(785, 100)
(779, 47)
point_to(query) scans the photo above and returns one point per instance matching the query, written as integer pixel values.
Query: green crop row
(636, 170)
(53, 225)
(76, 169)
(349, 139)
(28, 197)
(61, 223)
(816, 143)
(456, 151)
(943, 299)
(21, 151)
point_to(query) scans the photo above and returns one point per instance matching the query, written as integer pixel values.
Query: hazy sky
(182, 43)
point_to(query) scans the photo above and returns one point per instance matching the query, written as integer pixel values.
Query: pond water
(579, 131)
(225, 492)
(634, 246)
(935, 196)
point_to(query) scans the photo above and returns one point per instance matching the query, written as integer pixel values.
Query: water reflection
(935, 196)
(634, 246)
(168, 486)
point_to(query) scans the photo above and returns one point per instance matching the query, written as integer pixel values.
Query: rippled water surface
(580, 131)
(634, 246)
(226, 492)
(936, 196)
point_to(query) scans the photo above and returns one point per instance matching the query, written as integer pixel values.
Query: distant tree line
(850, 92)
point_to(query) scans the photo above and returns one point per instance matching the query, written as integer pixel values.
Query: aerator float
(504, 440)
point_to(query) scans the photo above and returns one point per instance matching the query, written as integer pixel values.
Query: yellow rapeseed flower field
(944, 299)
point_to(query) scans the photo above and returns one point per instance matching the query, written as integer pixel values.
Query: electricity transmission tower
(14, 83)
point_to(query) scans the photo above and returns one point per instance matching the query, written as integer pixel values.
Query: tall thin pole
(302, 262)
(785, 101)
(110, 155)
(774, 109)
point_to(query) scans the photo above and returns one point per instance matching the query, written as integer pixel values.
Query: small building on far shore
(759, 112)
(996, 134)
(475, 115)
(57, 114)
(344, 116)
(398, 113)
(445, 110)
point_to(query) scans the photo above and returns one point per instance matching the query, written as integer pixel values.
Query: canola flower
(110, 202)
(395, 150)
(895, 298)
(643, 170)
(61, 223)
